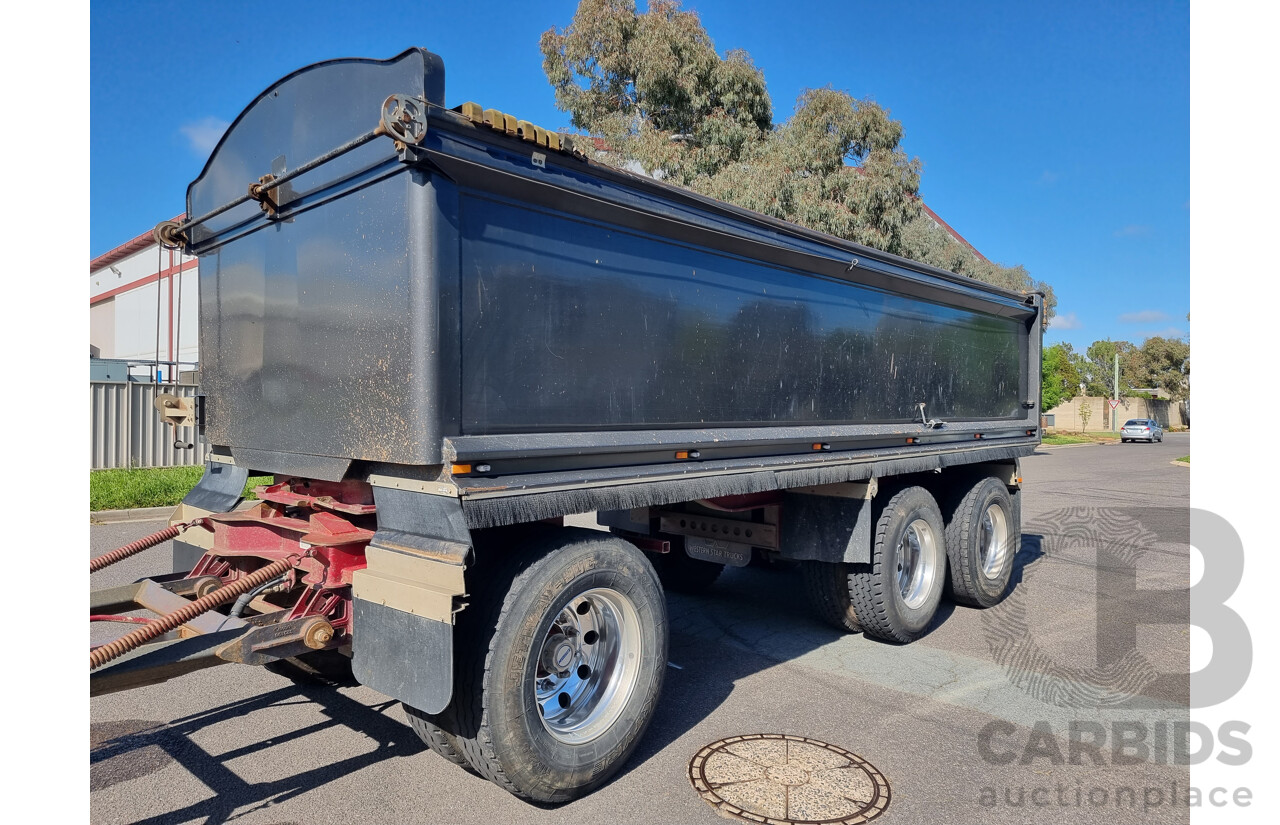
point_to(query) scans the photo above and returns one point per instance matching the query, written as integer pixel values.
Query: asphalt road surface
(971, 723)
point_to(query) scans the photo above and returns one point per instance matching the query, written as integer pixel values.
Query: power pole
(1116, 390)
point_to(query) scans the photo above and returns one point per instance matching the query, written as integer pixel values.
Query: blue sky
(1053, 135)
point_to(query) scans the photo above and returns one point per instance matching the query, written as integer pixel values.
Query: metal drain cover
(774, 778)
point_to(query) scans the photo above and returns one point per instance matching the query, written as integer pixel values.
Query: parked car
(1143, 429)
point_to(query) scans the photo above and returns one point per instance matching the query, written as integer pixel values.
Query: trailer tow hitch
(212, 638)
(290, 558)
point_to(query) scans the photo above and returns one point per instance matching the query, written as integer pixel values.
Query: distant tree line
(1159, 363)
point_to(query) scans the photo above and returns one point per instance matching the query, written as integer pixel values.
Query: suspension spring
(133, 548)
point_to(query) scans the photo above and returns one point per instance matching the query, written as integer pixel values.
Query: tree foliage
(1097, 367)
(1059, 376)
(1160, 363)
(1165, 363)
(656, 90)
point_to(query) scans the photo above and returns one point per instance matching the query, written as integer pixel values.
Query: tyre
(559, 662)
(896, 596)
(982, 538)
(434, 731)
(828, 589)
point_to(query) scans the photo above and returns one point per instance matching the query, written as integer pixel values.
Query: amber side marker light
(461, 469)
(911, 441)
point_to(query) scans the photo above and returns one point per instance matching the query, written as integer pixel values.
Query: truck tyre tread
(827, 587)
(873, 593)
(471, 650)
(488, 637)
(434, 731)
(968, 585)
(862, 597)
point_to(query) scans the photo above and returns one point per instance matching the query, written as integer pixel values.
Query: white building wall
(123, 312)
(102, 326)
(136, 322)
(187, 335)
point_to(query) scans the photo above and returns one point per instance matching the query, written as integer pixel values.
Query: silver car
(1141, 429)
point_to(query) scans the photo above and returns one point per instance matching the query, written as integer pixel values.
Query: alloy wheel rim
(917, 563)
(993, 541)
(588, 665)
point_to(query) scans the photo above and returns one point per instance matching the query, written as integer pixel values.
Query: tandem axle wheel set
(557, 661)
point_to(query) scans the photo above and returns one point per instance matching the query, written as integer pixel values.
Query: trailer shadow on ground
(749, 621)
(1031, 551)
(120, 751)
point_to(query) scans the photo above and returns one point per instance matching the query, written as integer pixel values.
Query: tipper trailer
(443, 330)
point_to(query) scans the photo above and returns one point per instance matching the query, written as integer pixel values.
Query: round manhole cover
(770, 777)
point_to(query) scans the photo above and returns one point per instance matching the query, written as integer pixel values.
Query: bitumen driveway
(971, 723)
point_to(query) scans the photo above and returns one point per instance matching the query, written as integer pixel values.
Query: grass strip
(1079, 438)
(1065, 438)
(148, 487)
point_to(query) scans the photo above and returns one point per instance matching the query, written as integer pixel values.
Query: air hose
(245, 598)
(99, 656)
(133, 548)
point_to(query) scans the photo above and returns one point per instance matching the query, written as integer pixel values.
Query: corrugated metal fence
(126, 430)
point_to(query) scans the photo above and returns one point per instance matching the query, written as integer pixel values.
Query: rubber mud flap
(407, 657)
(219, 489)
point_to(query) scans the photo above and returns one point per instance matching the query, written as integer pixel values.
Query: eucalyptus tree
(653, 86)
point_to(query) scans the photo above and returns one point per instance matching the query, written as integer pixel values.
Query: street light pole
(1115, 386)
